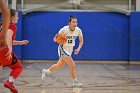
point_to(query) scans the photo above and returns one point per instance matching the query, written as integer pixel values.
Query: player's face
(73, 23)
(15, 18)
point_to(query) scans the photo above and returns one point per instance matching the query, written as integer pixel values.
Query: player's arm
(6, 19)
(54, 39)
(60, 31)
(81, 41)
(23, 42)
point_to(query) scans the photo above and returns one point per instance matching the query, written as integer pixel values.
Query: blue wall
(135, 36)
(105, 35)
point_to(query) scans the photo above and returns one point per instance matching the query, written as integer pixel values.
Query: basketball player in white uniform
(65, 50)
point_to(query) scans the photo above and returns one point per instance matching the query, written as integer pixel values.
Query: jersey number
(69, 41)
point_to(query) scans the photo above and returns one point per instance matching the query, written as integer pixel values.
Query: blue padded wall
(105, 35)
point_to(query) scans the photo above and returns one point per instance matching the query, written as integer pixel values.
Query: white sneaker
(77, 84)
(45, 73)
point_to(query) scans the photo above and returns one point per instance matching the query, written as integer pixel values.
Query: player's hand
(1, 68)
(76, 51)
(25, 42)
(9, 55)
(54, 39)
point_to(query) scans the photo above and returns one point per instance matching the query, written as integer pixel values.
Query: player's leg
(60, 64)
(72, 70)
(16, 71)
(65, 54)
(57, 66)
(71, 66)
(46, 72)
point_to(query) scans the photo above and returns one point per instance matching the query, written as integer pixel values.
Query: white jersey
(72, 35)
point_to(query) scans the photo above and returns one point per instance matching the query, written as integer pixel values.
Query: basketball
(61, 38)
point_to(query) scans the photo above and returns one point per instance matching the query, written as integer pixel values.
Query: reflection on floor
(96, 78)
